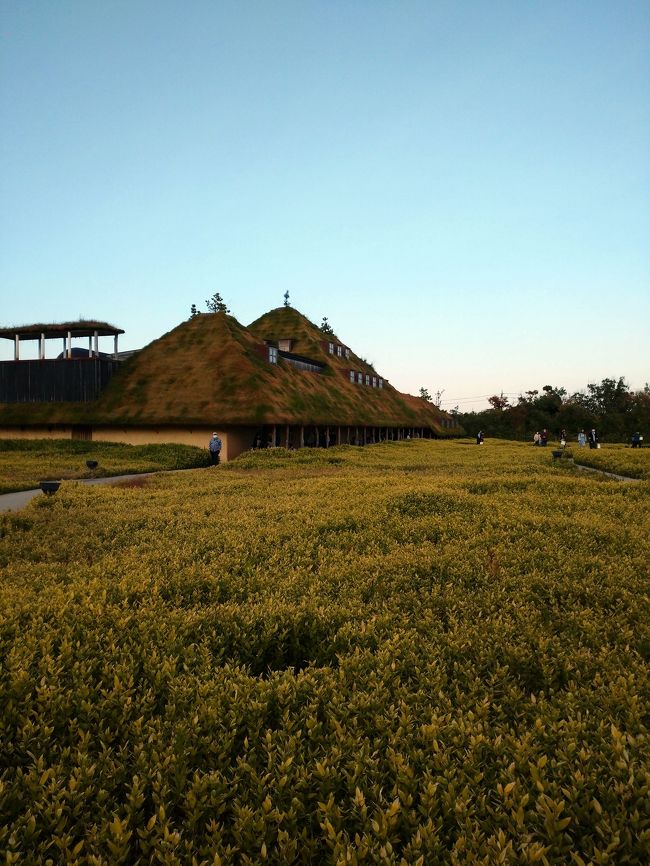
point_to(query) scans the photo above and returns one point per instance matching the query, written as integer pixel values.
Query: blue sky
(462, 188)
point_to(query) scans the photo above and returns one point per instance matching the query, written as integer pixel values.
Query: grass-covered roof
(79, 328)
(212, 370)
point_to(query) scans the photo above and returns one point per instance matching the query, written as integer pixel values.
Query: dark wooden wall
(54, 381)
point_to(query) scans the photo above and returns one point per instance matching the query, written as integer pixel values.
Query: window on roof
(374, 381)
(352, 376)
(273, 355)
(339, 351)
(381, 383)
(347, 353)
(331, 348)
(360, 378)
(367, 378)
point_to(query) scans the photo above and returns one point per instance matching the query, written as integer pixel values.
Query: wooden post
(16, 348)
(96, 344)
(338, 435)
(42, 347)
(327, 437)
(302, 436)
(287, 439)
(69, 349)
(273, 442)
(115, 347)
(317, 437)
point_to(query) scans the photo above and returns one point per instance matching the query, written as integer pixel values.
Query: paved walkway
(16, 501)
(607, 474)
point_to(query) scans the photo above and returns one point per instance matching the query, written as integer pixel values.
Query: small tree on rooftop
(194, 311)
(215, 304)
(325, 327)
(424, 394)
(286, 299)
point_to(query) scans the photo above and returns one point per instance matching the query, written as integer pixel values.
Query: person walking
(593, 438)
(214, 447)
(582, 438)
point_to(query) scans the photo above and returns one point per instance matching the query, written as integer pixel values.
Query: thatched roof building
(280, 381)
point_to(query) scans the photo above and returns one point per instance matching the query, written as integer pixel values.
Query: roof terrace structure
(66, 331)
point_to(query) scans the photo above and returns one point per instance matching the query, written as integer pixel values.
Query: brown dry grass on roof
(212, 370)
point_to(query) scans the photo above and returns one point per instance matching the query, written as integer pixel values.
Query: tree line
(610, 406)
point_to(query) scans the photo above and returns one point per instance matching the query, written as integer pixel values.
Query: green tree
(424, 393)
(325, 327)
(611, 395)
(194, 311)
(286, 299)
(499, 402)
(639, 415)
(215, 304)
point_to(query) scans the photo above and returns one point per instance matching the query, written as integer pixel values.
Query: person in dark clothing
(214, 447)
(592, 438)
(636, 440)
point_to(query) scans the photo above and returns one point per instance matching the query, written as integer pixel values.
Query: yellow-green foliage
(619, 459)
(414, 653)
(25, 462)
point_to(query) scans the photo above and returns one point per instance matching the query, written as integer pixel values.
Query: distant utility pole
(438, 400)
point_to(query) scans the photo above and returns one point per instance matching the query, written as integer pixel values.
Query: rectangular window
(367, 378)
(331, 348)
(273, 355)
(360, 378)
(339, 351)
(347, 353)
(381, 383)
(352, 376)
(374, 381)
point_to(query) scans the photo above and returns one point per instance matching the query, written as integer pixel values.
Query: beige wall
(35, 432)
(234, 439)
(199, 436)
